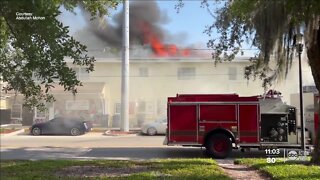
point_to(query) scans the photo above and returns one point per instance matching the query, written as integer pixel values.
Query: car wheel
(75, 132)
(36, 131)
(151, 131)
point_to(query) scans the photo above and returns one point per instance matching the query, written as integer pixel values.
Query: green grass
(157, 169)
(283, 170)
(6, 130)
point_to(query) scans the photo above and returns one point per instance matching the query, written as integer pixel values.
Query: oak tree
(34, 44)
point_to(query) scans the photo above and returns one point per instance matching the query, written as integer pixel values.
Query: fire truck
(222, 122)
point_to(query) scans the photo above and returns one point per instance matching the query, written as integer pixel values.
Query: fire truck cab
(221, 122)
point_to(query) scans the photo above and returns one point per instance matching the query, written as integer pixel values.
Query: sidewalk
(121, 133)
(116, 131)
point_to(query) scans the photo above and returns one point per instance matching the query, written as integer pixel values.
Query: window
(143, 72)
(232, 73)
(312, 89)
(117, 108)
(186, 73)
(161, 107)
(16, 111)
(132, 107)
(81, 72)
(145, 107)
(37, 78)
(142, 107)
(40, 114)
(81, 105)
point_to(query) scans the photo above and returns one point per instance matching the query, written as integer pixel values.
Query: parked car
(60, 126)
(157, 127)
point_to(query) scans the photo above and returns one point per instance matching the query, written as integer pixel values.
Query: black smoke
(141, 14)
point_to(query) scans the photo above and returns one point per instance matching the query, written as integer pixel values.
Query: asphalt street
(89, 140)
(98, 146)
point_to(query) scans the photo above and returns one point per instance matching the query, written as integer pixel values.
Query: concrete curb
(110, 133)
(14, 133)
(120, 135)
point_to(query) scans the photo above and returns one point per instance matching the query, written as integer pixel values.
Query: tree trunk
(313, 53)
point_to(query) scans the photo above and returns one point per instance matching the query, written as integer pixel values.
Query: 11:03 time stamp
(272, 155)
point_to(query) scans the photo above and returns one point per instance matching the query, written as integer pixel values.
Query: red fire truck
(221, 122)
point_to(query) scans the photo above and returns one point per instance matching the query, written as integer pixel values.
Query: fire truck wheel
(219, 146)
(151, 131)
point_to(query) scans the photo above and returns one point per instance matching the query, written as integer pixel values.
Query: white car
(157, 127)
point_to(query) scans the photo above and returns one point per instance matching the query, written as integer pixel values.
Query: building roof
(165, 59)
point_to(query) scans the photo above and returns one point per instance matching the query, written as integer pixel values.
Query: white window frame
(117, 108)
(40, 115)
(17, 109)
(186, 73)
(82, 105)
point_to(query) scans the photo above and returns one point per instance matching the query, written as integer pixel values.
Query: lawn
(283, 170)
(106, 169)
(7, 130)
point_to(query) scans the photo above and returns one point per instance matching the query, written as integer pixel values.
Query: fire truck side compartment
(274, 127)
(249, 118)
(192, 118)
(217, 118)
(183, 124)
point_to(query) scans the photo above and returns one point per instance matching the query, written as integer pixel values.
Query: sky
(190, 22)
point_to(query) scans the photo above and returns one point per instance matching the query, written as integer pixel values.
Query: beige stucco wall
(163, 82)
(104, 84)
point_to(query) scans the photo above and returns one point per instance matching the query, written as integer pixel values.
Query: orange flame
(160, 49)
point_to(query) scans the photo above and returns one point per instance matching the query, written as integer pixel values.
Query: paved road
(90, 140)
(97, 146)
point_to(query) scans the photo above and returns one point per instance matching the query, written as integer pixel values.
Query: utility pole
(125, 69)
(299, 45)
(303, 143)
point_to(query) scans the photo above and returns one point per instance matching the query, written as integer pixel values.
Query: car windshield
(56, 120)
(161, 120)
